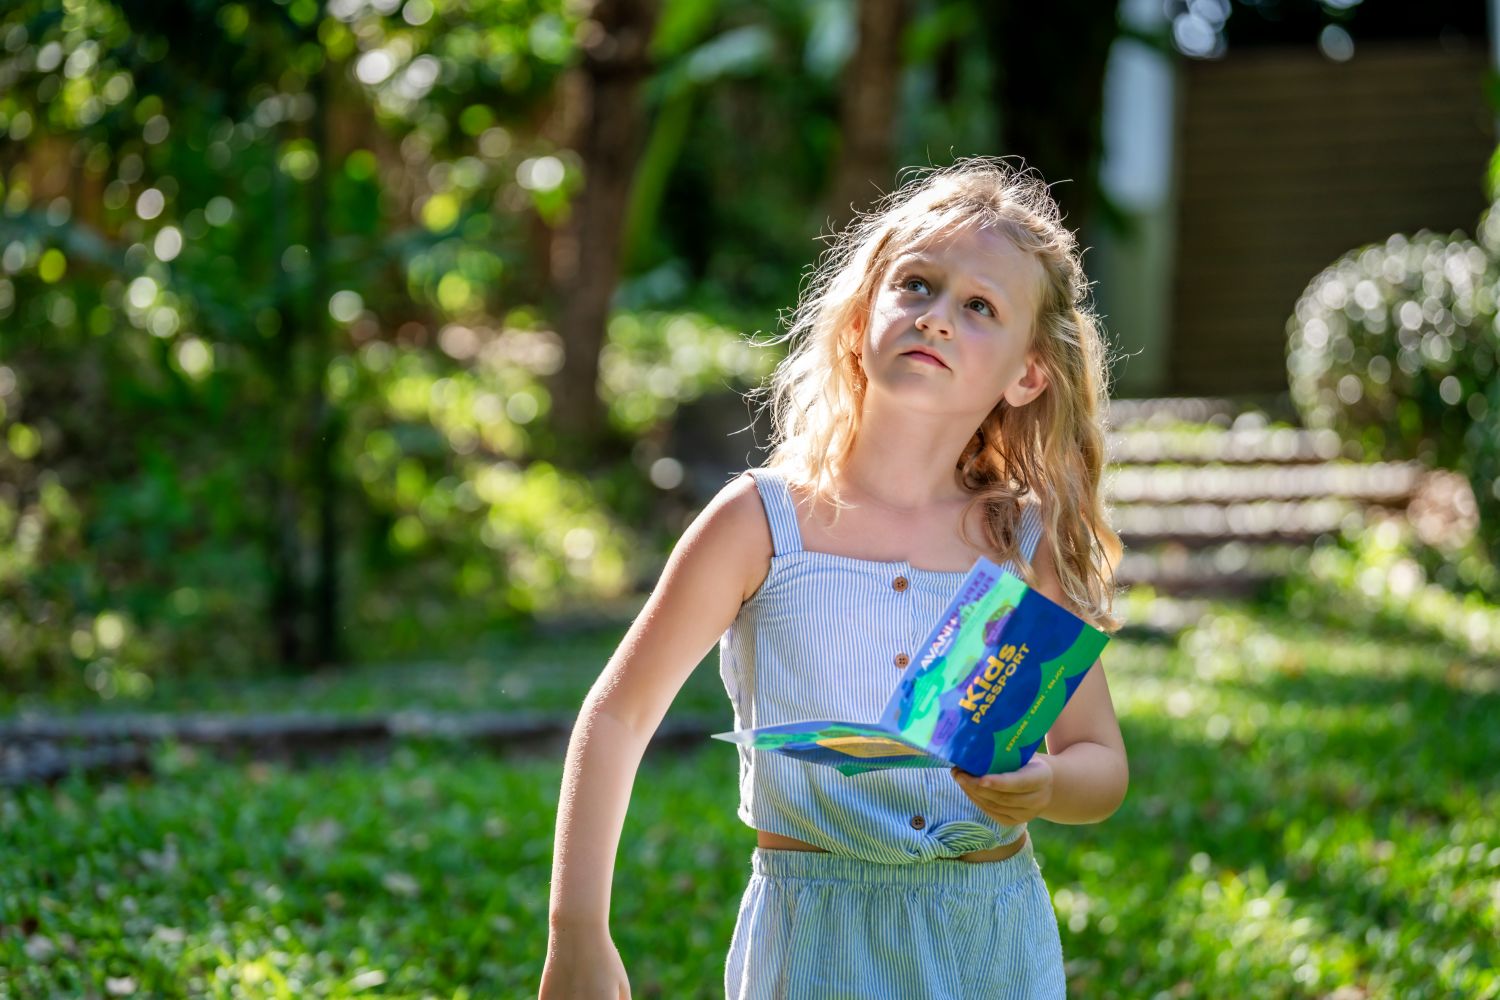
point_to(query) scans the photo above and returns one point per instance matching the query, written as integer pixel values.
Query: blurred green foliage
(1383, 581)
(272, 272)
(1396, 347)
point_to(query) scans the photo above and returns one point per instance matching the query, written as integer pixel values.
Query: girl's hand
(1011, 798)
(583, 964)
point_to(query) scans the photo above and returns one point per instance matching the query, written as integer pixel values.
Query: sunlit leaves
(440, 458)
(360, 165)
(149, 204)
(218, 211)
(187, 288)
(550, 181)
(299, 159)
(52, 265)
(1375, 580)
(655, 361)
(454, 276)
(234, 18)
(193, 358)
(440, 212)
(23, 441)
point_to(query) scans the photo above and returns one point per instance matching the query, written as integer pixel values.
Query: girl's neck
(851, 482)
(904, 458)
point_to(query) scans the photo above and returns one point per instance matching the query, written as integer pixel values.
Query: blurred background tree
(352, 329)
(207, 208)
(332, 329)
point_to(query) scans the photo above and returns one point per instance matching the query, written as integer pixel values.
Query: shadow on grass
(1364, 837)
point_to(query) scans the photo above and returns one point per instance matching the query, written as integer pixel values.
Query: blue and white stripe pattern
(820, 640)
(821, 927)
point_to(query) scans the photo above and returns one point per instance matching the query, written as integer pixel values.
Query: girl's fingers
(1008, 805)
(991, 802)
(980, 791)
(1013, 782)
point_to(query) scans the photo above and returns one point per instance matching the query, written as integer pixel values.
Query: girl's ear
(1030, 385)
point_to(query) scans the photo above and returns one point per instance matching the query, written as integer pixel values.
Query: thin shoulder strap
(1031, 530)
(780, 511)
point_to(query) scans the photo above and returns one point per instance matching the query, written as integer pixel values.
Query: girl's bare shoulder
(742, 531)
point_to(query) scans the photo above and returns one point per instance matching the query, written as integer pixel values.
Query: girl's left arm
(1083, 776)
(1086, 755)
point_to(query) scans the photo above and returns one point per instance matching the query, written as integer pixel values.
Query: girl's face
(968, 298)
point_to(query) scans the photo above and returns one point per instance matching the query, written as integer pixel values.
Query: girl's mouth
(924, 356)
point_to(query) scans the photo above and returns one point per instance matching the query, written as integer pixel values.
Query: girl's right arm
(720, 561)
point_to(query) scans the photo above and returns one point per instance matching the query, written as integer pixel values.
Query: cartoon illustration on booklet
(991, 679)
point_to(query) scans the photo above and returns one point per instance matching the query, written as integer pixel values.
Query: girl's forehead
(971, 238)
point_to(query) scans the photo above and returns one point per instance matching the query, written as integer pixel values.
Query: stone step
(1385, 483)
(1245, 586)
(1196, 525)
(47, 749)
(1232, 567)
(1282, 445)
(1210, 495)
(1218, 411)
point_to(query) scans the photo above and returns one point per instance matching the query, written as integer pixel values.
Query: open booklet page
(992, 677)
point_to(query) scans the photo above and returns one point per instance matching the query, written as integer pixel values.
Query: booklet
(988, 683)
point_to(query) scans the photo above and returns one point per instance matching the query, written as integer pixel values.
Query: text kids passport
(991, 679)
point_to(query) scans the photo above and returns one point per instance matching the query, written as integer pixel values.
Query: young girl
(943, 402)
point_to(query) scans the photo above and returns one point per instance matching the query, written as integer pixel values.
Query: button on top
(917, 822)
(902, 659)
(900, 583)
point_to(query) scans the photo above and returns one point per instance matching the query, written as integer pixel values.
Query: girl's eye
(905, 285)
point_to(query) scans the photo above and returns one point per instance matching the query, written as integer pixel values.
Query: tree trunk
(586, 252)
(1049, 89)
(323, 416)
(867, 110)
(287, 594)
(283, 544)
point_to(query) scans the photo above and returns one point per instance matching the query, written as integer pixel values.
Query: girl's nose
(935, 319)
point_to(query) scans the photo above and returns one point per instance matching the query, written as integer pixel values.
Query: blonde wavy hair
(1052, 449)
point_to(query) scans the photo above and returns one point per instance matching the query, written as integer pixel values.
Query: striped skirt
(816, 926)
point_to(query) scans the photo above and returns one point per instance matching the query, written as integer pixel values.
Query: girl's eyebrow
(916, 258)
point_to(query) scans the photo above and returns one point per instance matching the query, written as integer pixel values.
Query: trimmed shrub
(1395, 347)
(1482, 466)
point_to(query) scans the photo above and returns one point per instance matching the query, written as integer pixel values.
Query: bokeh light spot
(52, 266)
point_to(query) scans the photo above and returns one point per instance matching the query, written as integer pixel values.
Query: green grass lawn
(1313, 813)
(423, 876)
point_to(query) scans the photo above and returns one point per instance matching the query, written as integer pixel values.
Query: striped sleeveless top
(825, 637)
